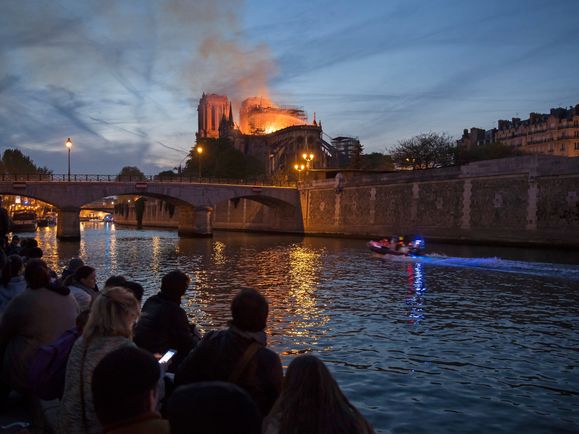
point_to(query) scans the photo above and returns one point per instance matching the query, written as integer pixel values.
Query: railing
(32, 177)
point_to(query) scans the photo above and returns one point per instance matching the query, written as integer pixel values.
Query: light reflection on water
(435, 344)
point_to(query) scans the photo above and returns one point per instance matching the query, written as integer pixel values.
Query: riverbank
(528, 201)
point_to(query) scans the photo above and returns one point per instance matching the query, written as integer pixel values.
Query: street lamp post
(199, 150)
(300, 168)
(68, 144)
(309, 157)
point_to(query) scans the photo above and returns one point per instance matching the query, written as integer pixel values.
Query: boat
(49, 219)
(24, 221)
(398, 245)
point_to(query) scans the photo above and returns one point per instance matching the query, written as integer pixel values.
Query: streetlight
(199, 150)
(68, 144)
(308, 157)
(300, 168)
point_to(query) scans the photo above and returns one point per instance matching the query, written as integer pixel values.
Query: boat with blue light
(399, 245)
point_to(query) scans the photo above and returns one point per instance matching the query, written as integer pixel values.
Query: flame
(259, 115)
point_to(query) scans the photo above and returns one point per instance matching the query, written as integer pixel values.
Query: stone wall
(524, 200)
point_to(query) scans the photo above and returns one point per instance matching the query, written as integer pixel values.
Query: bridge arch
(194, 201)
(258, 213)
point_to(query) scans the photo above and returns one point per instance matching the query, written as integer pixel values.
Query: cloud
(122, 76)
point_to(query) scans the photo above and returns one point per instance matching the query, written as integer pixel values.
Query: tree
(375, 161)
(220, 159)
(131, 173)
(166, 174)
(489, 151)
(425, 151)
(15, 162)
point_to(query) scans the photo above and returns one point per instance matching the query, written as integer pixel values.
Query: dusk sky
(123, 78)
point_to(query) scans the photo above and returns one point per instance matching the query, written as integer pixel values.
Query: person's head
(15, 240)
(212, 408)
(35, 253)
(174, 284)
(124, 385)
(12, 268)
(311, 401)
(37, 274)
(30, 242)
(249, 310)
(136, 288)
(113, 313)
(115, 281)
(74, 264)
(86, 275)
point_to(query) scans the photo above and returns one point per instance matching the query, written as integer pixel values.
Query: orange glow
(259, 115)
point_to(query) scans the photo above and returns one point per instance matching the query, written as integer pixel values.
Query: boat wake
(563, 271)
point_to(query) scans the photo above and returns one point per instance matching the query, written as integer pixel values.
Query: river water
(464, 340)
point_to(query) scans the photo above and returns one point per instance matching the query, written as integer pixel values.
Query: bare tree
(425, 151)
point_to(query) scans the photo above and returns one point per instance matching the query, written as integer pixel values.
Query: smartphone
(167, 356)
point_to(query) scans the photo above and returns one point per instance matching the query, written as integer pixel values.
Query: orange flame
(259, 115)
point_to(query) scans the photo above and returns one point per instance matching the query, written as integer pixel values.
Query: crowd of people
(100, 355)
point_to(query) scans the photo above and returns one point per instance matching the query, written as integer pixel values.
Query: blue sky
(123, 78)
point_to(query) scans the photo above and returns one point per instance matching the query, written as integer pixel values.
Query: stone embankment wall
(524, 200)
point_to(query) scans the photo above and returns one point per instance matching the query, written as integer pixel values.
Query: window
(562, 148)
(577, 146)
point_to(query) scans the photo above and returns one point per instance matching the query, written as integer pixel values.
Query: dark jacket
(164, 325)
(215, 358)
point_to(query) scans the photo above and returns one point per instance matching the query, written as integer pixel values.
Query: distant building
(349, 149)
(555, 133)
(476, 137)
(276, 136)
(210, 111)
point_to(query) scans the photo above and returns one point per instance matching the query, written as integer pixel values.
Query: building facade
(555, 133)
(210, 112)
(276, 136)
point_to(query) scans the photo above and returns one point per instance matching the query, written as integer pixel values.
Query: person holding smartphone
(164, 324)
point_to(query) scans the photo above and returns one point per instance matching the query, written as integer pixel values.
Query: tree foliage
(425, 151)
(167, 174)
(131, 172)
(486, 152)
(15, 162)
(375, 161)
(221, 160)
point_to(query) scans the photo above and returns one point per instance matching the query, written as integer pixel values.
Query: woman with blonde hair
(110, 326)
(311, 402)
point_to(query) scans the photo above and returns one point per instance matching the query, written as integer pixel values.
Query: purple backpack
(48, 366)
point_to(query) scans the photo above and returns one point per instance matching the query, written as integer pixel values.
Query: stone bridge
(194, 201)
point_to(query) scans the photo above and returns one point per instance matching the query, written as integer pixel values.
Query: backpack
(48, 366)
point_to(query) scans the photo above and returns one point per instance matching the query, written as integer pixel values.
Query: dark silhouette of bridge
(194, 198)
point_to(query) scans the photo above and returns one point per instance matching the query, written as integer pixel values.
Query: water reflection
(515, 320)
(307, 320)
(416, 291)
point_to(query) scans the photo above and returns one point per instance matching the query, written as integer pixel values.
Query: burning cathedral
(278, 136)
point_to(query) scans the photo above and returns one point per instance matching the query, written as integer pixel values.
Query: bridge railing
(31, 177)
